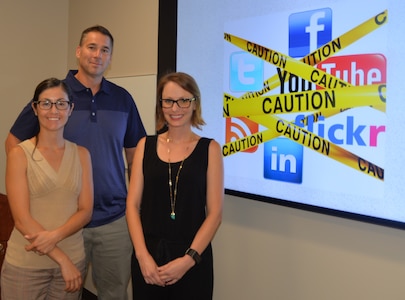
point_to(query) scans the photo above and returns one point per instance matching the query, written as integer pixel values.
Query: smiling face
(176, 116)
(52, 119)
(183, 84)
(94, 54)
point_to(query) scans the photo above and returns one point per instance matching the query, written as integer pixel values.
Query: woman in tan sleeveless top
(49, 187)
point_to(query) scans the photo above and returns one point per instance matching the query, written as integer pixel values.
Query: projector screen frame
(167, 62)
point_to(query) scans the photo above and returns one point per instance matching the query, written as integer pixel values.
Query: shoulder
(215, 159)
(140, 149)
(211, 143)
(149, 139)
(146, 142)
(123, 100)
(211, 147)
(84, 156)
(142, 141)
(16, 152)
(214, 151)
(115, 88)
(214, 146)
(16, 158)
(82, 151)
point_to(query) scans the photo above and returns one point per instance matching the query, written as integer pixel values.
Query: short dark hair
(97, 28)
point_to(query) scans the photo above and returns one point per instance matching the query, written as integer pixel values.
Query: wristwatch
(194, 254)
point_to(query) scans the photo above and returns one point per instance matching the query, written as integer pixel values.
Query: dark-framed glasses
(59, 104)
(182, 103)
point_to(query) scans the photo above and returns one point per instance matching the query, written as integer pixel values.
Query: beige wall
(134, 25)
(40, 38)
(33, 47)
(265, 251)
(262, 251)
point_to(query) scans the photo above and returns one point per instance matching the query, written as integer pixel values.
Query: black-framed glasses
(182, 103)
(59, 104)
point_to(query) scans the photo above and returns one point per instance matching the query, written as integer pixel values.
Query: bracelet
(194, 255)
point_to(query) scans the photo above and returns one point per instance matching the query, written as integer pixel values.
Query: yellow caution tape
(330, 101)
(288, 63)
(307, 101)
(304, 137)
(327, 50)
(248, 142)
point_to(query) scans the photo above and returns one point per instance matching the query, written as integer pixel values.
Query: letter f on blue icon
(309, 30)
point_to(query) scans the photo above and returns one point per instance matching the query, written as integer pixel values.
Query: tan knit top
(53, 199)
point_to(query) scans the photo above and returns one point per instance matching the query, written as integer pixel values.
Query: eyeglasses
(182, 103)
(59, 104)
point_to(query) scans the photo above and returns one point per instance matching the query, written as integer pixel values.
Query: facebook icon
(308, 31)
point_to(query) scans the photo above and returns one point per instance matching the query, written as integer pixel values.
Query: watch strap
(194, 255)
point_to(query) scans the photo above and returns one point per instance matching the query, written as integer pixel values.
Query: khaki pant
(109, 250)
(35, 284)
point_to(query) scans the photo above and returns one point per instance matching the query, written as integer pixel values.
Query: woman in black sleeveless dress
(174, 204)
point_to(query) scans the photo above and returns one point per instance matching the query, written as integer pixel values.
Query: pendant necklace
(173, 190)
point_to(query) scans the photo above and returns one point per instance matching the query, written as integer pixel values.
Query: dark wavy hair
(51, 83)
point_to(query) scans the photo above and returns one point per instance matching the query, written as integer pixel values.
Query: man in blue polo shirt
(106, 121)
